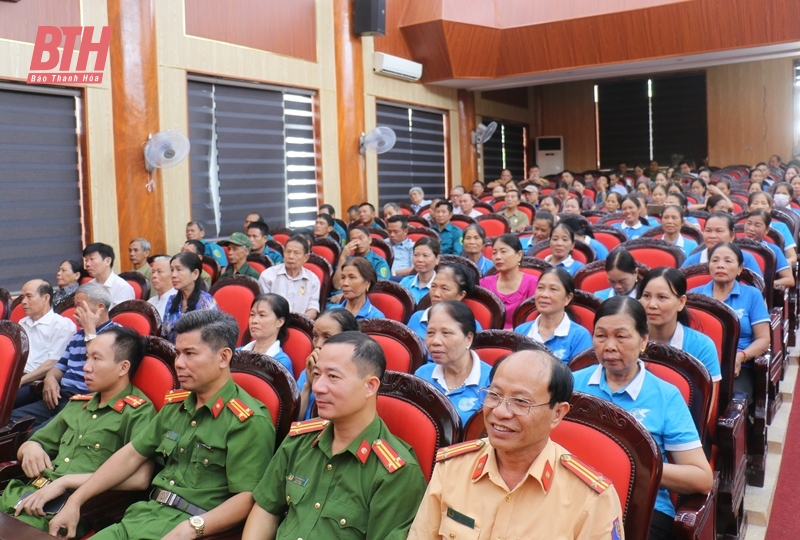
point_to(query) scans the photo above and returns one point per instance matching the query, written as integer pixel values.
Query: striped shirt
(71, 364)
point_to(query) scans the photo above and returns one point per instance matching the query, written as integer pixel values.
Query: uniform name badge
(302, 290)
(458, 517)
(297, 480)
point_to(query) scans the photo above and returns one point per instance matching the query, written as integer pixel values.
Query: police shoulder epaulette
(242, 411)
(388, 456)
(307, 426)
(81, 397)
(176, 396)
(590, 476)
(134, 401)
(457, 449)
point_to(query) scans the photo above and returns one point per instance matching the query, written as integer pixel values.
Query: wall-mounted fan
(483, 133)
(163, 150)
(380, 140)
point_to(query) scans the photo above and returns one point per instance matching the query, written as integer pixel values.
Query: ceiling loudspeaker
(369, 17)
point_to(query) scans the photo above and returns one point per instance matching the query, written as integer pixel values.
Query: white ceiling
(607, 71)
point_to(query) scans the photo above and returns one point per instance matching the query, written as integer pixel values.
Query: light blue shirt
(484, 265)
(417, 290)
(657, 405)
(215, 250)
(632, 232)
(687, 245)
(276, 352)
(698, 345)
(780, 259)
(569, 264)
(465, 398)
(418, 323)
(600, 248)
(605, 294)
(403, 253)
(367, 311)
(749, 305)
(788, 239)
(702, 257)
(568, 340)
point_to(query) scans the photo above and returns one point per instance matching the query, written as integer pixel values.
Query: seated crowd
(525, 248)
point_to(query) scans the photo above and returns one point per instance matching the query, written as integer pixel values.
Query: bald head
(533, 367)
(37, 298)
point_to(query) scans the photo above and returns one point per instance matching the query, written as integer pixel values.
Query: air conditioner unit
(394, 66)
(550, 155)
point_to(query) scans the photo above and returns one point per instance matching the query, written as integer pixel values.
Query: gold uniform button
(508, 498)
(193, 423)
(66, 460)
(317, 505)
(97, 445)
(181, 450)
(330, 467)
(172, 482)
(452, 535)
(94, 417)
(342, 522)
(79, 437)
(205, 462)
(288, 498)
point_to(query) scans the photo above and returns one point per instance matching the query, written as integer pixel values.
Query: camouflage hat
(240, 239)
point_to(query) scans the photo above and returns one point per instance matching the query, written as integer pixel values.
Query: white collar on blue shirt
(274, 349)
(704, 256)
(566, 263)
(677, 337)
(633, 388)
(637, 226)
(561, 330)
(473, 379)
(678, 242)
(415, 283)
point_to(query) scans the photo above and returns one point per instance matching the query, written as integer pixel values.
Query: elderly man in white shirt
(98, 258)
(298, 285)
(48, 336)
(162, 284)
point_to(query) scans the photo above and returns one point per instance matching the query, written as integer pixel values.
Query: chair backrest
(418, 221)
(298, 344)
(772, 236)
(327, 249)
(281, 235)
(687, 231)
(425, 210)
(416, 412)
(67, 309)
(654, 252)
(493, 345)
(404, 349)
(378, 234)
(493, 224)
(324, 272)
(415, 233)
(13, 357)
(610, 219)
(211, 266)
(581, 252)
(697, 275)
(5, 304)
(583, 306)
(608, 236)
(259, 262)
(393, 300)
(140, 284)
(234, 295)
(266, 380)
(484, 208)
(406, 209)
(766, 260)
(382, 249)
(156, 374)
(487, 308)
(461, 221)
(16, 313)
(468, 265)
(137, 314)
(593, 277)
(700, 215)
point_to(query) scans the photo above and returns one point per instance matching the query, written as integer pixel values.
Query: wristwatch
(89, 337)
(199, 525)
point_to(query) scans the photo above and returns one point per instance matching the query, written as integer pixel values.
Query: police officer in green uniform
(450, 236)
(68, 449)
(342, 475)
(215, 441)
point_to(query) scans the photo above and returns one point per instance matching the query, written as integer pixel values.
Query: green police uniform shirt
(369, 490)
(81, 438)
(245, 270)
(450, 239)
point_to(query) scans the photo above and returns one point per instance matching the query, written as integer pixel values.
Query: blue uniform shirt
(465, 398)
(341, 232)
(632, 232)
(702, 257)
(568, 340)
(367, 311)
(605, 294)
(275, 352)
(698, 345)
(687, 245)
(788, 239)
(418, 323)
(274, 255)
(749, 305)
(484, 265)
(215, 250)
(450, 238)
(379, 264)
(569, 264)
(600, 248)
(780, 259)
(403, 253)
(417, 290)
(657, 405)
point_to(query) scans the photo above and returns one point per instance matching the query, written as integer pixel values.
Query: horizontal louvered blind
(419, 156)
(40, 182)
(505, 150)
(680, 125)
(624, 120)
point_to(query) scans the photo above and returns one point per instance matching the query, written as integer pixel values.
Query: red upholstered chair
(424, 211)
(655, 253)
(687, 231)
(13, 356)
(416, 412)
(67, 309)
(269, 382)
(16, 313)
(610, 219)
(327, 249)
(404, 350)
(492, 345)
(378, 234)
(484, 208)
(593, 216)
(406, 209)
(140, 284)
(700, 215)
(608, 236)
(137, 314)
(324, 272)
(461, 221)
(415, 233)
(211, 266)
(234, 295)
(581, 252)
(487, 308)
(418, 221)
(299, 342)
(259, 261)
(498, 203)
(393, 300)
(281, 235)
(156, 374)
(593, 277)
(584, 305)
(5, 304)
(772, 236)
(493, 224)
(382, 249)
(487, 198)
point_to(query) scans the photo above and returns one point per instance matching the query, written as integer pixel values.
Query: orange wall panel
(568, 110)
(20, 21)
(286, 28)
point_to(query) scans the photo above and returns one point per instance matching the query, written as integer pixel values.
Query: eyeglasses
(516, 406)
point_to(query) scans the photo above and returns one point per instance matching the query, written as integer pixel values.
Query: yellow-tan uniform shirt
(467, 499)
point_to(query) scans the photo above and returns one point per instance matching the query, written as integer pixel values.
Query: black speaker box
(369, 17)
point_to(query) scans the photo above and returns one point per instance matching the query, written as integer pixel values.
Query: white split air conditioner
(394, 66)
(550, 155)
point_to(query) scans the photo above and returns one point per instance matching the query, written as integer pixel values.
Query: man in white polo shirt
(48, 336)
(98, 258)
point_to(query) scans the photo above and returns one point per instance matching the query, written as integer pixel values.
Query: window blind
(680, 125)
(40, 180)
(623, 118)
(505, 150)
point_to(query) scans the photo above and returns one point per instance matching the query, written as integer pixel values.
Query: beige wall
(750, 111)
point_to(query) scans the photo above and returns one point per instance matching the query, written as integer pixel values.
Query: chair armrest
(732, 444)
(12, 436)
(696, 518)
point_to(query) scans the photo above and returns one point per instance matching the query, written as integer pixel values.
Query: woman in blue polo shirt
(630, 224)
(269, 314)
(725, 264)
(583, 233)
(620, 336)
(663, 295)
(562, 242)
(719, 229)
(474, 240)
(426, 259)
(622, 273)
(553, 326)
(357, 278)
(761, 200)
(755, 228)
(456, 371)
(672, 218)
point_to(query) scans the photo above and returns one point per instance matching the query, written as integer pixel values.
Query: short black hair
(371, 207)
(447, 203)
(104, 250)
(218, 330)
(329, 208)
(561, 381)
(625, 305)
(261, 226)
(128, 345)
(199, 246)
(368, 356)
(327, 219)
(399, 218)
(45, 288)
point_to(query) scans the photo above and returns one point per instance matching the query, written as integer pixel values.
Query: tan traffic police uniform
(560, 498)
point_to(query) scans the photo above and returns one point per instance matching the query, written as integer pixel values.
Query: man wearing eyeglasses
(519, 483)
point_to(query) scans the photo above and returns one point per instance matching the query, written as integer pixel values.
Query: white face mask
(781, 199)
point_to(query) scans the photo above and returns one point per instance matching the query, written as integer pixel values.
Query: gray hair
(96, 294)
(199, 224)
(454, 188)
(416, 190)
(395, 206)
(144, 243)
